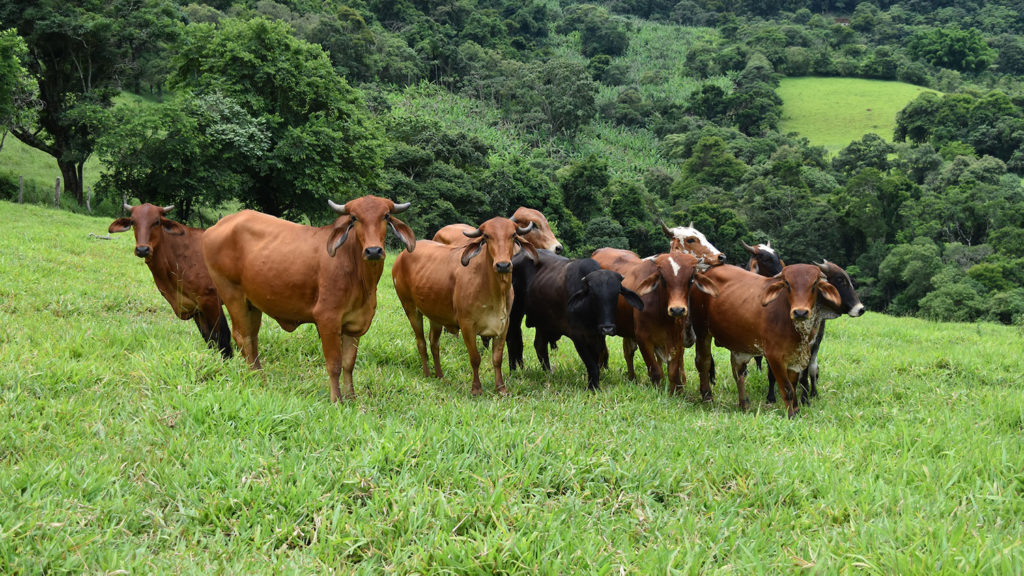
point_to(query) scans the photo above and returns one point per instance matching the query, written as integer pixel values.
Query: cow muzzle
(607, 329)
(857, 311)
(721, 258)
(801, 314)
(143, 251)
(503, 267)
(677, 312)
(373, 253)
(558, 249)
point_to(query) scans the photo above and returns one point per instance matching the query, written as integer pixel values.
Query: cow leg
(785, 379)
(739, 374)
(702, 360)
(349, 348)
(245, 327)
(497, 353)
(214, 328)
(654, 370)
(540, 345)
(469, 337)
(514, 341)
(331, 344)
(589, 352)
(676, 372)
(602, 357)
(628, 351)
(435, 350)
(771, 387)
(416, 321)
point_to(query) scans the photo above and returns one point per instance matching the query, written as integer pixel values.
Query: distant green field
(832, 112)
(127, 447)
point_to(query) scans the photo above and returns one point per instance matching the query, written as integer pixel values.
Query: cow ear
(705, 284)
(338, 236)
(632, 298)
(577, 300)
(171, 227)
(773, 291)
(471, 250)
(830, 293)
(649, 284)
(120, 225)
(404, 233)
(530, 250)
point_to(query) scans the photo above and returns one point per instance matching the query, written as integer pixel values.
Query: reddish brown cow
(172, 253)
(689, 240)
(662, 328)
(299, 274)
(757, 316)
(540, 236)
(457, 290)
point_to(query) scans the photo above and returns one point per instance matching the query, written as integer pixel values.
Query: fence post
(56, 193)
(21, 189)
(88, 200)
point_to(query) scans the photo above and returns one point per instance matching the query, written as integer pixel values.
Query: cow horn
(526, 229)
(127, 207)
(691, 224)
(339, 208)
(167, 208)
(823, 266)
(399, 208)
(666, 229)
(751, 249)
(474, 234)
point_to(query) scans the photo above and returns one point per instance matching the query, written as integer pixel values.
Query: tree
(954, 48)
(322, 142)
(871, 151)
(80, 51)
(582, 183)
(18, 91)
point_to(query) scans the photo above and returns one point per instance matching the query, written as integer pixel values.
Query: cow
(689, 240)
(300, 274)
(563, 297)
(662, 329)
(172, 252)
(540, 236)
(764, 260)
(776, 317)
(464, 287)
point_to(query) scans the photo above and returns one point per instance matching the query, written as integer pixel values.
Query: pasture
(832, 112)
(126, 446)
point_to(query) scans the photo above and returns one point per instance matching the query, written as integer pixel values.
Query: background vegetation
(605, 115)
(127, 445)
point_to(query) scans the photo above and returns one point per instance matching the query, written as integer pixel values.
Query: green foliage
(600, 33)
(18, 93)
(954, 48)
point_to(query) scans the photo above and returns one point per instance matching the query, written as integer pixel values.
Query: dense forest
(607, 116)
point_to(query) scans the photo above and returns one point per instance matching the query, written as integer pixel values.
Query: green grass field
(832, 112)
(128, 447)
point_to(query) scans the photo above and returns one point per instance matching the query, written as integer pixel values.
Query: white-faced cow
(465, 288)
(689, 240)
(776, 317)
(300, 274)
(172, 253)
(563, 297)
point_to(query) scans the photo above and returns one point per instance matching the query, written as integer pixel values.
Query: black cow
(851, 306)
(563, 297)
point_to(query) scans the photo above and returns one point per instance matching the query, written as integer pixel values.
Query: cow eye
(691, 240)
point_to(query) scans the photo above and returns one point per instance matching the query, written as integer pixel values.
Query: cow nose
(677, 311)
(373, 253)
(142, 251)
(801, 313)
(503, 267)
(857, 311)
(558, 249)
(721, 258)
(607, 329)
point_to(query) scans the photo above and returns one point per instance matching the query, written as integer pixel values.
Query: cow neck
(367, 273)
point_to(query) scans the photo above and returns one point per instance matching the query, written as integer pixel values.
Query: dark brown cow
(299, 274)
(540, 236)
(172, 253)
(662, 329)
(689, 240)
(467, 288)
(756, 316)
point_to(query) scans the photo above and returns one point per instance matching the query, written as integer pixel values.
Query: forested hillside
(607, 116)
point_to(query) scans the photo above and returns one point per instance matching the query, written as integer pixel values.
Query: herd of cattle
(483, 281)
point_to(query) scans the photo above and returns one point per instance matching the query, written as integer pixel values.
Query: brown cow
(172, 253)
(540, 236)
(456, 290)
(757, 316)
(299, 274)
(689, 240)
(662, 328)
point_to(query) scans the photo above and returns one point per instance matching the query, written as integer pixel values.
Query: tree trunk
(72, 173)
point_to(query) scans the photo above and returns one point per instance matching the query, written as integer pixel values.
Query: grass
(832, 112)
(126, 445)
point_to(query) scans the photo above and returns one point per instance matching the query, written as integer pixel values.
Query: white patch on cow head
(675, 267)
(681, 232)
(766, 248)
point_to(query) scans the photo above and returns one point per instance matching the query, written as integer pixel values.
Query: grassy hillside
(832, 112)
(126, 445)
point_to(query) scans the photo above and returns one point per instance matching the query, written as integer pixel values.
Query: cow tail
(223, 335)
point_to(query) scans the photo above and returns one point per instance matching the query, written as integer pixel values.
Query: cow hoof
(501, 391)
(745, 405)
(475, 391)
(770, 401)
(793, 412)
